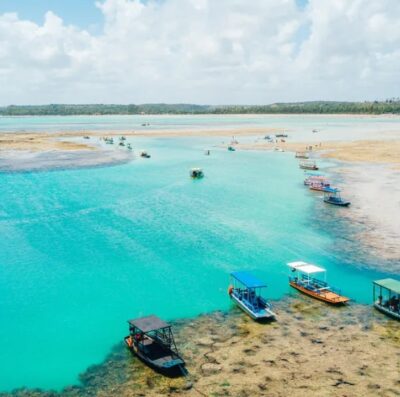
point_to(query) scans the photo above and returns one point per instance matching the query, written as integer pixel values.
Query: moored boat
(196, 173)
(305, 282)
(245, 291)
(388, 299)
(231, 148)
(302, 155)
(315, 178)
(320, 185)
(144, 154)
(151, 339)
(332, 196)
(308, 165)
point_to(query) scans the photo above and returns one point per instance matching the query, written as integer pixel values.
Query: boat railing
(252, 304)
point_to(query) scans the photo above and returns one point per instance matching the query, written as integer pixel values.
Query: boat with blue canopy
(332, 196)
(245, 291)
(388, 299)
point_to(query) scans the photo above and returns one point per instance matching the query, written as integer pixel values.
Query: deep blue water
(82, 251)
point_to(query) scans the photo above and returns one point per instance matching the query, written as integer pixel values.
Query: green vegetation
(317, 107)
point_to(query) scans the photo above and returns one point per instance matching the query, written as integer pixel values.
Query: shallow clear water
(82, 251)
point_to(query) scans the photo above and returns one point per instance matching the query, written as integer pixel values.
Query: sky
(198, 51)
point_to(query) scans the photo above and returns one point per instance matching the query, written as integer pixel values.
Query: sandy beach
(313, 349)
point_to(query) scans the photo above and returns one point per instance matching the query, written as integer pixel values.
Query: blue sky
(83, 13)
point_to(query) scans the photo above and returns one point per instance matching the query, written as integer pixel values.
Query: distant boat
(308, 165)
(151, 339)
(332, 196)
(121, 143)
(207, 152)
(314, 131)
(245, 291)
(281, 135)
(144, 154)
(86, 137)
(305, 282)
(315, 179)
(129, 146)
(302, 155)
(231, 148)
(196, 173)
(388, 300)
(319, 185)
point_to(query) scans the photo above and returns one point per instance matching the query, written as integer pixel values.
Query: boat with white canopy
(304, 280)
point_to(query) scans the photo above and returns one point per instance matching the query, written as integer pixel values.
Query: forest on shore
(389, 106)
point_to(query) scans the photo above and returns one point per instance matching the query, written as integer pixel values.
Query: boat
(129, 146)
(196, 173)
(281, 135)
(86, 137)
(245, 291)
(122, 138)
(314, 131)
(305, 282)
(151, 340)
(308, 165)
(314, 178)
(144, 154)
(207, 152)
(302, 155)
(231, 148)
(388, 300)
(320, 185)
(121, 143)
(332, 196)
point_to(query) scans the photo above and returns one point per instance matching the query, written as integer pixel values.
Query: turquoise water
(82, 251)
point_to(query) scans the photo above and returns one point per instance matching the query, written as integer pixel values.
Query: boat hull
(328, 296)
(386, 311)
(267, 315)
(339, 204)
(173, 370)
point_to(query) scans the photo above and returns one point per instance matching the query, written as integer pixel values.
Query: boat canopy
(148, 323)
(306, 268)
(390, 284)
(248, 279)
(332, 190)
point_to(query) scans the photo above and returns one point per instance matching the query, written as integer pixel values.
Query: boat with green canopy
(387, 296)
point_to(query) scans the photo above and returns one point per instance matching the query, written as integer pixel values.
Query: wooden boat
(151, 339)
(332, 196)
(303, 281)
(245, 291)
(196, 173)
(388, 300)
(302, 155)
(308, 165)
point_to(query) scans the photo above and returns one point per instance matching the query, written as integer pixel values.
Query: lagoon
(84, 250)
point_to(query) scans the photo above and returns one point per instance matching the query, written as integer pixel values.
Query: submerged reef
(311, 350)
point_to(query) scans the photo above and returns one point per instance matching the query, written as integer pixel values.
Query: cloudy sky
(198, 51)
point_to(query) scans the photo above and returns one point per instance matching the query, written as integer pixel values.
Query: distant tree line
(316, 107)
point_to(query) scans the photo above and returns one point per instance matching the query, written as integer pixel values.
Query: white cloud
(225, 51)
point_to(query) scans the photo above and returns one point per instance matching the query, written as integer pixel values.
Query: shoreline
(228, 354)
